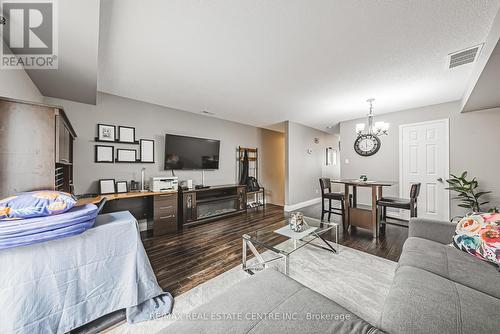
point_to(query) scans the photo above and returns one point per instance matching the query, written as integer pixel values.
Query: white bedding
(59, 285)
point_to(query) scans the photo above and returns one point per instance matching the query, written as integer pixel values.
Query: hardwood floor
(190, 257)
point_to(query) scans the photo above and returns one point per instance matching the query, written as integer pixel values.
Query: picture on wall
(104, 154)
(106, 186)
(126, 134)
(126, 155)
(147, 153)
(106, 132)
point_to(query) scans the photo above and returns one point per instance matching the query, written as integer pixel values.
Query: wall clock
(367, 145)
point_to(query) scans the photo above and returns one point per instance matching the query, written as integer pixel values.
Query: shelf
(116, 142)
(216, 198)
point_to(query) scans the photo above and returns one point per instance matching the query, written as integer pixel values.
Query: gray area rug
(356, 280)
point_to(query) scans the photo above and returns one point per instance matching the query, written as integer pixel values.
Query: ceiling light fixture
(377, 129)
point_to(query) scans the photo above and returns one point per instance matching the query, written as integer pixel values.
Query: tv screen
(183, 152)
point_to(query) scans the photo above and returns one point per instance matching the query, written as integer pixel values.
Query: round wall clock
(366, 145)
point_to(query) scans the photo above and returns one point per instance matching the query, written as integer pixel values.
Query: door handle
(440, 179)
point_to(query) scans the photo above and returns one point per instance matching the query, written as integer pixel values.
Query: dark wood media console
(197, 206)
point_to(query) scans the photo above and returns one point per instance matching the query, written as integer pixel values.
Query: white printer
(163, 183)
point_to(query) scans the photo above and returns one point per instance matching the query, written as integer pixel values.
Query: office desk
(358, 216)
(161, 207)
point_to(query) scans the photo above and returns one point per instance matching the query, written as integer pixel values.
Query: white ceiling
(261, 62)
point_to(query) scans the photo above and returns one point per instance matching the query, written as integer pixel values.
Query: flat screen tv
(183, 152)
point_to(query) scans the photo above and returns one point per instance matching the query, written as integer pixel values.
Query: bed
(59, 285)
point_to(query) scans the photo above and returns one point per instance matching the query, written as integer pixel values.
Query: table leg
(287, 264)
(374, 212)
(244, 255)
(346, 207)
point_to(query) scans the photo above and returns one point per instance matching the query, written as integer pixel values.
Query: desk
(159, 206)
(362, 217)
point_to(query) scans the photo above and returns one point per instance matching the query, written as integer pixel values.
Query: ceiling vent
(464, 57)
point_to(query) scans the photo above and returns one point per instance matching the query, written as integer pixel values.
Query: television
(190, 153)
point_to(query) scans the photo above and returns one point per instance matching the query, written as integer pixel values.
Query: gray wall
(151, 122)
(303, 170)
(474, 146)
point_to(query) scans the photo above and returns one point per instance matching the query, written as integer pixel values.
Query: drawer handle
(164, 217)
(169, 195)
(166, 207)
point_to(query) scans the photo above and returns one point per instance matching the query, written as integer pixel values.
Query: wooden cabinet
(30, 138)
(165, 214)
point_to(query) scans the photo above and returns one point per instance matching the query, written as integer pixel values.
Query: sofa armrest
(435, 230)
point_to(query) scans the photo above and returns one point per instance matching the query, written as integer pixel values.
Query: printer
(163, 183)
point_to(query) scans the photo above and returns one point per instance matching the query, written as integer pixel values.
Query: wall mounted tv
(183, 152)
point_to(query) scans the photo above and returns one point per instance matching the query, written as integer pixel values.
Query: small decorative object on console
(297, 221)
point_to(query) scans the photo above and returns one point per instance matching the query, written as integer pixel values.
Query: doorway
(424, 153)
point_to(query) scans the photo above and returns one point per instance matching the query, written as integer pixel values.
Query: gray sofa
(436, 289)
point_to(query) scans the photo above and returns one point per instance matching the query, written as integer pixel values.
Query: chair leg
(329, 209)
(382, 219)
(342, 208)
(322, 208)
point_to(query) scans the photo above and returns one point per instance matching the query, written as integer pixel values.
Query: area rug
(356, 280)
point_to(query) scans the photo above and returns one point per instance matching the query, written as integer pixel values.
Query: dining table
(361, 215)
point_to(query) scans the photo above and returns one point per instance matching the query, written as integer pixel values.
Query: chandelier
(377, 129)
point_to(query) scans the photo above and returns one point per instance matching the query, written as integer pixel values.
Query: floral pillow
(479, 235)
(35, 204)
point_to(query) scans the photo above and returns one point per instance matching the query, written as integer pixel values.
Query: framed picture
(104, 154)
(147, 150)
(106, 186)
(126, 134)
(106, 132)
(121, 187)
(126, 155)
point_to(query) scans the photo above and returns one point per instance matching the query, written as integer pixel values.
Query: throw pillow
(479, 235)
(35, 204)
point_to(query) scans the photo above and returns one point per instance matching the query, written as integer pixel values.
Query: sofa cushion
(270, 302)
(451, 263)
(422, 302)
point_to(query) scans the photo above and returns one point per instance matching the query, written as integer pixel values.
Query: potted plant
(468, 195)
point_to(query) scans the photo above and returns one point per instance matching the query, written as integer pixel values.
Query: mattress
(24, 232)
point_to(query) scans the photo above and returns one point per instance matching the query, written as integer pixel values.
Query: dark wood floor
(183, 260)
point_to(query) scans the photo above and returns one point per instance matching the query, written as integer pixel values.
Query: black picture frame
(119, 137)
(101, 134)
(102, 190)
(121, 183)
(101, 160)
(141, 158)
(125, 150)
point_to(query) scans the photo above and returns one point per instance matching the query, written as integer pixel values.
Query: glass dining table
(359, 215)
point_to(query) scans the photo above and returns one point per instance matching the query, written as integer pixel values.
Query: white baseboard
(302, 204)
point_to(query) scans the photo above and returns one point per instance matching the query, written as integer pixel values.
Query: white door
(424, 158)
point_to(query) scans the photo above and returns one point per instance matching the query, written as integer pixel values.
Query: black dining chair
(327, 194)
(399, 203)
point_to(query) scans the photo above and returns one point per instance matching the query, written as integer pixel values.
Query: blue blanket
(24, 232)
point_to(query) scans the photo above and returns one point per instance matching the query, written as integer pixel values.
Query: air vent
(464, 57)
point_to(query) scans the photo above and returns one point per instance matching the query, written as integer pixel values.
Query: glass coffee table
(283, 241)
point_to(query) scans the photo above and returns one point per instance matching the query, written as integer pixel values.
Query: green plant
(468, 195)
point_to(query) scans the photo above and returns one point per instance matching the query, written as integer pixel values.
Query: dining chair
(398, 203)
(327, 194)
